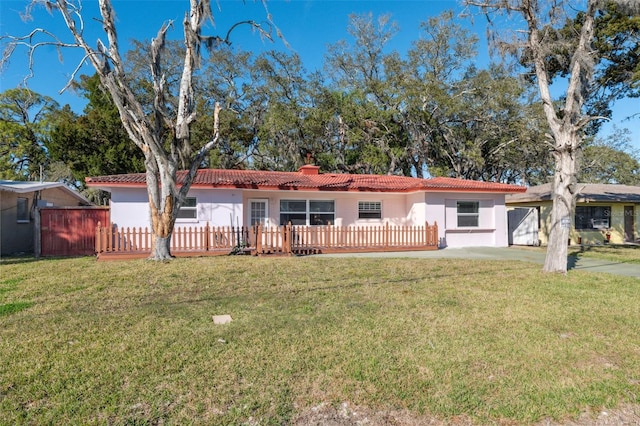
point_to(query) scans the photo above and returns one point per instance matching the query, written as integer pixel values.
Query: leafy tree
(283, 95)
(25, 122)
(95, 143)
(611, 160)
(616, 43)
(376, 140)
(227, 77)
(463, 121)
(617, 40)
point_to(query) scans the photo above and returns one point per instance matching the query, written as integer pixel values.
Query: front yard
(135, 343)
(615, 253)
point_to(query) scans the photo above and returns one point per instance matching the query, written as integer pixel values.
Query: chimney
(308, 169)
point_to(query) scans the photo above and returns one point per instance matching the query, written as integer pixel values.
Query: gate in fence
(69, 231)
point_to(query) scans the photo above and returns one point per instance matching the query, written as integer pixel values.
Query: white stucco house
(468, 213)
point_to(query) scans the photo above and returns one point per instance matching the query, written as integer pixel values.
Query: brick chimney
(308, 169)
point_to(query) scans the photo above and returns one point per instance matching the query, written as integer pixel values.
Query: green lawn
(610, 252)
(134, 342)
(616, 253)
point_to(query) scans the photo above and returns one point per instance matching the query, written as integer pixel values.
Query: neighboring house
(18, 203)
(468, 213)
(604, 213)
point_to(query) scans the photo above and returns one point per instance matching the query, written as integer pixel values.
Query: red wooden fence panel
(70, 231)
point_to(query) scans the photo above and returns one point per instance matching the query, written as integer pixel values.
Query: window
(307, 212)
(593, 217)
(188, 209)
(258, 212)
(468, 213)
(294, 211)
(321, 212)
(23, 210)
(369, 210)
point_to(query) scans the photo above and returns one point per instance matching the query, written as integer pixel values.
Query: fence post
(259, 238)
(287, 238)
(98, 242)
(111, 237)
(207, 230)
(427, 240)
(327, 236)
(435, 234)
(386, 234)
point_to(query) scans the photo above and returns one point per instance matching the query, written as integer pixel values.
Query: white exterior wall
(416, 209)
(396, 210)
(225, 207)
(492, 226)
(130, 208)
(218, 207)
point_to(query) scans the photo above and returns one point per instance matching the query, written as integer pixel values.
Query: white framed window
(22, 214)
(468, 213)
(369, 210)
(307, 212)
(258, 211)
(188, 209)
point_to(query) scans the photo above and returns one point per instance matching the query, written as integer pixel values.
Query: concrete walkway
(579, 263)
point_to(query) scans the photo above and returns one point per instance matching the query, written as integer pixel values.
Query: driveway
(579, 263)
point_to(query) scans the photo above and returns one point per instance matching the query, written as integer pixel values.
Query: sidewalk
(579, 263)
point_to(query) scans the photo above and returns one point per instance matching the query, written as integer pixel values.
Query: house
(468, 213)
(18, 203)
(604, 213)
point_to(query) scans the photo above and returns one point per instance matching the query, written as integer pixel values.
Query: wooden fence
(328, 239)
(112, 241)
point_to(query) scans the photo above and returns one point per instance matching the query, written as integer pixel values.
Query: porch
(129, 243)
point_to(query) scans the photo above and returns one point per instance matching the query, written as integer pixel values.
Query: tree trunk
(563, 193)
(162, 223)
(161, 248)
(162, 208)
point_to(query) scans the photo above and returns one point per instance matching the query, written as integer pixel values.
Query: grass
(615, 253)
(134, 342)
(610, 252)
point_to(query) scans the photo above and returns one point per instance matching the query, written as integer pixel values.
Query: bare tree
(164, 134)
(537, 45)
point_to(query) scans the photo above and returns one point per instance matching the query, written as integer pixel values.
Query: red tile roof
(311, 180)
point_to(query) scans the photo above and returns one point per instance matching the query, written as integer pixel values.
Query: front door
(629, 221)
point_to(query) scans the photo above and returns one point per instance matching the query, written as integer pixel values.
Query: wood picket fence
(112, 242)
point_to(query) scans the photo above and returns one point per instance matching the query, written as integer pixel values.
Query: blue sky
(309, 26)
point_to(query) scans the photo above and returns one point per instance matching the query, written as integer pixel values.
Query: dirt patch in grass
(348, 415)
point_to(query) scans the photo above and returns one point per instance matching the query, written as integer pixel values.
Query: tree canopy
(25, 123)
(93, 143)
(431, 112)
